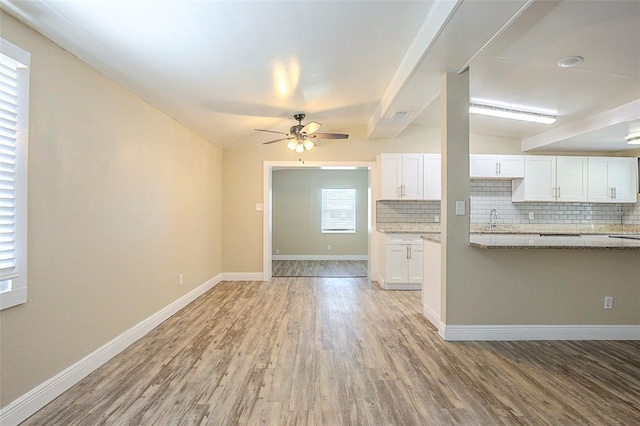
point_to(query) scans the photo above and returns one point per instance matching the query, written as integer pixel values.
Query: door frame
(267, 217)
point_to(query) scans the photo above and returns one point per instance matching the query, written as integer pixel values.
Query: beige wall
(122, 199)
(297, 205)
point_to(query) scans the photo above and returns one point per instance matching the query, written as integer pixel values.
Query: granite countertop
(481, 228)
(528, 236)
(532, 241)
(536, 241)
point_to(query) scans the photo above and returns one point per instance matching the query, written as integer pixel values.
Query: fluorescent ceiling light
(633, 139)
(512, 114)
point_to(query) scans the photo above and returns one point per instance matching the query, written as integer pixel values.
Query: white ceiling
(223, 68)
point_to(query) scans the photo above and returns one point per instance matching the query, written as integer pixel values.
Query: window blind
(8, 159)
(339, 210)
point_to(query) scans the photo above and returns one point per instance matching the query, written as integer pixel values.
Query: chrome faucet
(493, 219)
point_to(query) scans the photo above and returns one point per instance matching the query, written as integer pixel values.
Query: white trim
(41, 395)
(540, 332)
(402, 286)
(243, 276)
(431, 316)
(319, 257)
(13, 297)
(267, 177)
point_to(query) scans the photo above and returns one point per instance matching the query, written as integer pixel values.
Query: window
(14, 126)
(339, 210)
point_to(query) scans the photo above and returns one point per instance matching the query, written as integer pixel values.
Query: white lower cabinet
(402, 262)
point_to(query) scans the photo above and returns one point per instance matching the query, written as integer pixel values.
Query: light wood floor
(298, 351)
(319, 268)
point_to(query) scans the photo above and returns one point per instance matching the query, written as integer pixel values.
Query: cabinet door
(432, 188)
(510, 166)
(598, 180)
(397, 263)
(540, 178)
(391, 176)
(622, 179)
(571, 179)
(482, 166)
(415, 263)
(412, 176)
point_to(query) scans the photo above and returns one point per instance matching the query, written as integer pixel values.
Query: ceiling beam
(451, 36)
(622, 114)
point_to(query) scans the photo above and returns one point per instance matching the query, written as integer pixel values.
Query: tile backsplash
(409, 211)
(496, 194)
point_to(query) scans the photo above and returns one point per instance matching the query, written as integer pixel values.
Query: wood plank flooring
(310, 351)
(319, 268)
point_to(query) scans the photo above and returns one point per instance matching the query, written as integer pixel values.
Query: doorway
(316, 262)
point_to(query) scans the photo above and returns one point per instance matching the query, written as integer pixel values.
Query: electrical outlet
(531, 216)
(461, 208)
(329, 247)
(180, 281)
(608, 302)
(436, 218)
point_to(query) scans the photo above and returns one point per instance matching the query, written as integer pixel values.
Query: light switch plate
(259, 207)
(461, 208)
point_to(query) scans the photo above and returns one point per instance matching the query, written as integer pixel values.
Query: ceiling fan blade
(270, 131)
(277, 140)
(311, 128)
(330, 135)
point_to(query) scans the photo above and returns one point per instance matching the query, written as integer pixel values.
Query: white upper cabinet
(412, 176)
(613, 179)
(577, 179)
(551, 178)
(483, 166)
(401, 176)
(432, 187)
(539, 181)
(571, 179)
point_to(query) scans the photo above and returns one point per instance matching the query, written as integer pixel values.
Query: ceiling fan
(301, 136)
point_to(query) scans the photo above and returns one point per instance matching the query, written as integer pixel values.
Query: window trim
(322, 210)
(17, 294)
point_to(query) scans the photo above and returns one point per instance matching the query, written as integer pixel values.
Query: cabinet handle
(558, 192)
(407, 253)
(410, 254)
(497, 168)
(615, 192)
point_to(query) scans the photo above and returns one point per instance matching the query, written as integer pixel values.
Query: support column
(455, 178)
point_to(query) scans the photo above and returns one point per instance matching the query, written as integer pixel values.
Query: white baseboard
(540, 332)
(32, 401)
(432, 317)
(242, 276)
(319, 257)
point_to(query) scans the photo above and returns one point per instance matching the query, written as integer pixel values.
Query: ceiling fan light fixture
(292, 145)
(299, 148)
(308, 144)
(513, 114)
